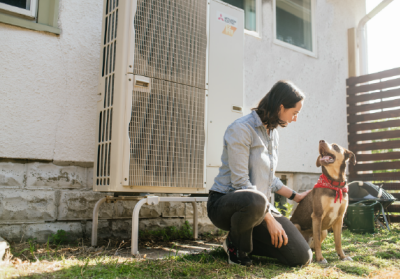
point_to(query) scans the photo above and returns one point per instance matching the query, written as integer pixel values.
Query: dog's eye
(336, 147)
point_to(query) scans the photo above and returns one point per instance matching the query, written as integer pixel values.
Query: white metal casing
(223, 105)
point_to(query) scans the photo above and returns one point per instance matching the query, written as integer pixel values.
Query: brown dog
(324, 207)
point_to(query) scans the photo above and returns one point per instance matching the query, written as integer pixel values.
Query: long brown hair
(282, 93)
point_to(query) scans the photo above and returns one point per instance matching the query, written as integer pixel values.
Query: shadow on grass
(211, 264)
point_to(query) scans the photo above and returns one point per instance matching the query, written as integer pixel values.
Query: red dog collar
(324, 182)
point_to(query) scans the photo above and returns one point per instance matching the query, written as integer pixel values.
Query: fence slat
(391, 186)
(373, 116)
(354, 128)
(377, 156)
(351, 100)
(374, 86)
(375, 106)
(374, 136)
(396, 195)
(375, 176)
(375, 146)
(380, 75)
(394, 218)
(378, 166)
(393, 208)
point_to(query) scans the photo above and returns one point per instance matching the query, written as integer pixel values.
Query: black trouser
(242, 214)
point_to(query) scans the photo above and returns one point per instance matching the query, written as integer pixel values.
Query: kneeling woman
(238, 200)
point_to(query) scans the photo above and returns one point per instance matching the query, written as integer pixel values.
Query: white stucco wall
(323, 80)
(48, 84)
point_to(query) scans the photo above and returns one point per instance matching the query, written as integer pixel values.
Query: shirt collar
(257, 119)
(258, 123)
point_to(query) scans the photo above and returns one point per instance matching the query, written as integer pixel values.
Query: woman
(238, 200)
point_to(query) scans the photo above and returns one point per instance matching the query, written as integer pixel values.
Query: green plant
(60, 237)
(32, 244)
(169, 233)
(286, 210)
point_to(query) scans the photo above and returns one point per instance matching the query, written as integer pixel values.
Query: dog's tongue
(327, 158)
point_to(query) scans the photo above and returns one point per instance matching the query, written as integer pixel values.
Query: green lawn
(375, 256)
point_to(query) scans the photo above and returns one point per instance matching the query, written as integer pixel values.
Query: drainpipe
(361, 36)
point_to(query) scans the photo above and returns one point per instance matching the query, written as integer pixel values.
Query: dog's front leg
(337, 233)
(316, 223)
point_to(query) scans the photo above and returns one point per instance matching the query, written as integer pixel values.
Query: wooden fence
(373, 117)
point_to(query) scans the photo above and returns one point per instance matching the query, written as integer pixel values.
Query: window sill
(295, 48)
(20, 22)
(252, 33)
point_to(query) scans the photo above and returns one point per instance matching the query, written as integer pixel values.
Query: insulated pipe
(361, 37)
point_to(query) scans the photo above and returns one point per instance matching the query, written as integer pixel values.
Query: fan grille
(167, 136)
(171, 40)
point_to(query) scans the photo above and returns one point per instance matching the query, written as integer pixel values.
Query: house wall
(323, 80)
(48, 88)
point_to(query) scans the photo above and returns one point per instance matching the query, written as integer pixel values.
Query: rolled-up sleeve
(238, 142)
(276, 184)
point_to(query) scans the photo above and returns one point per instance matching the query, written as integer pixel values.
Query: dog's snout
(321, 141)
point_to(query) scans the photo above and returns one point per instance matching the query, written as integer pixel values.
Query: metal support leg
(195, 220)
(95, 221)
(135, 227)
(153, 200)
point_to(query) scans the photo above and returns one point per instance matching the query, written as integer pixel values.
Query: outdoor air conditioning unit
(170, 82)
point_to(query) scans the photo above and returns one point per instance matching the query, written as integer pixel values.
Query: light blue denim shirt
(249, 158)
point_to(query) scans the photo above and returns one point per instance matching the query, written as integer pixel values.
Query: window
(294, 25)
(40, 15)
(252, 15)
(20, 7)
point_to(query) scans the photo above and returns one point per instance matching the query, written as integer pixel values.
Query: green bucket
(360, 216)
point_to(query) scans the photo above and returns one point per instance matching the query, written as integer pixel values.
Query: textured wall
(48, 86)
(323, 80)
(37, 199)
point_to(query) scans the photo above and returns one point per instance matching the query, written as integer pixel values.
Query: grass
(375, 256)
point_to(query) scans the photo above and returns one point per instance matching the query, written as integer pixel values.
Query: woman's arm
(287, 193)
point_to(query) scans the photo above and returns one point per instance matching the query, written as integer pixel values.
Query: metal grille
(108, 69)
(167, 135)
(171, 40)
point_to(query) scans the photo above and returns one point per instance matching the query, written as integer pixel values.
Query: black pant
(242, 214)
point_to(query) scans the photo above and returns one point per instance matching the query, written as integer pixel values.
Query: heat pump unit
(170, 82)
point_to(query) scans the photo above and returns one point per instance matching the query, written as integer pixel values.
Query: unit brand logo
(227, 19)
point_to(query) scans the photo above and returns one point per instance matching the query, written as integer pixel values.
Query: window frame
(256, 33)
(19, 11)
(276, 41)
(46, 18)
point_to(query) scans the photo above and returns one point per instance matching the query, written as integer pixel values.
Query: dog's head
(333, 159)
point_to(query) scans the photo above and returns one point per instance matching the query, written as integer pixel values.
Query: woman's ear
(318, 161)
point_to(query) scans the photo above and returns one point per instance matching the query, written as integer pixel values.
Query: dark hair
(282, 93)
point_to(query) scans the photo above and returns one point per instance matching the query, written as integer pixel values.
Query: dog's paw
(323, 261)
(347, 259)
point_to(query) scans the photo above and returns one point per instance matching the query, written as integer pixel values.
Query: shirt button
(272, 169)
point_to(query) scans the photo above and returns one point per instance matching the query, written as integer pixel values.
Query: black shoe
(235, 256)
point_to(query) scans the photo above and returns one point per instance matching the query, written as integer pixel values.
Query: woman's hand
(278, 234)
(301, 196)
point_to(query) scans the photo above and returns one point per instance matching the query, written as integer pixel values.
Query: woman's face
(289, 115)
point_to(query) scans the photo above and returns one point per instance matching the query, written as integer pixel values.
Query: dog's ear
(318, 161)
(350, 156)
